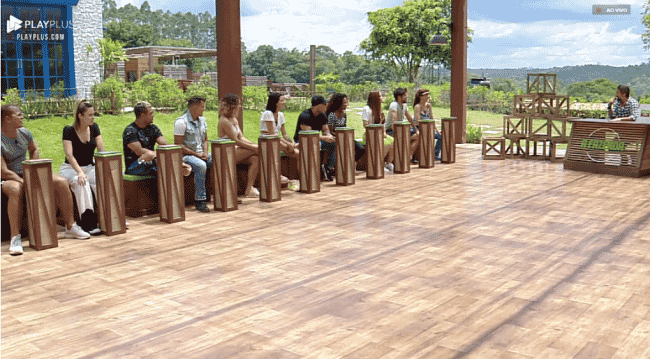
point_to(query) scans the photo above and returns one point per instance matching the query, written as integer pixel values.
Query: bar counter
(619, 148)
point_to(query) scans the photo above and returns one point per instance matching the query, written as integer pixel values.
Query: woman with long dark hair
(423, 110)
(336, 117)
(79, 143)
(272, 123)
(372, 114)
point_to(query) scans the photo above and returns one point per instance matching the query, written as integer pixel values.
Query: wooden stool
(309, 161)
(448, 140)
(110, 193)
(171, 190)
(490, 144)
(552, 152)
(41, 212)
(533, 154)
(269, 152)
(224, 175)
(345, 164)
(427, 143)
(402, 145)
(375, 151)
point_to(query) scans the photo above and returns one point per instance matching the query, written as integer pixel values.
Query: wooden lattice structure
(538, 117)
(541, 84)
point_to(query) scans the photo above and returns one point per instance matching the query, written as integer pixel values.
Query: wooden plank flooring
(477, 259)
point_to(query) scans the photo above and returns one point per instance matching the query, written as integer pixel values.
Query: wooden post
(402, 147)
(345, 164)
(224, 175)
(171, 190)
(309, 161)
(427, 143)
(110, 193)
(375, 151)
(228, 20)
(448, 143)
(269, 152)
(41, 212)
(458, 89)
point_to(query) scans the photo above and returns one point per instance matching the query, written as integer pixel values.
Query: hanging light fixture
(438, 39)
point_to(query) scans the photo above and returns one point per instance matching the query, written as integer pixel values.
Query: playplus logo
(14, 24)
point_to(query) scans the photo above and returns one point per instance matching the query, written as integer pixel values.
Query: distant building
(45, 42)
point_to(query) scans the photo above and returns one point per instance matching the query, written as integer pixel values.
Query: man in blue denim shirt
(191, 133)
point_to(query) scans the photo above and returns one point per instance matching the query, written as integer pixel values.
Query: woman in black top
(79, 142)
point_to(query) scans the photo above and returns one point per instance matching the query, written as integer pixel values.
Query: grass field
(48, 130)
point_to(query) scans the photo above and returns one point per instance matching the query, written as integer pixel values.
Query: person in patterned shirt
(623, 107)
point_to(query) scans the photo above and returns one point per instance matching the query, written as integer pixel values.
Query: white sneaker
(95, 231)
(390, 167)
(254, 193)
(76, 232)
(16, 245)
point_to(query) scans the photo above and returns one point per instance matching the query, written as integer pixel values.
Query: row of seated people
(83, 137)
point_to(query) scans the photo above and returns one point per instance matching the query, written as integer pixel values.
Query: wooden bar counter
(604, 146)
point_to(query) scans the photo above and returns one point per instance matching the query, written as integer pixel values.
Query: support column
(229, 51)
(458, 92)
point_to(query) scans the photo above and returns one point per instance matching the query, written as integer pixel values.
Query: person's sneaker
(390, 167)
(331, 175)
(76, 232)
(95, 232)
(202, 207)
(414, 161)
(254, 193)
(16, 245)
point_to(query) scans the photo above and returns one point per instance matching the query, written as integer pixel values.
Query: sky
(507, 34)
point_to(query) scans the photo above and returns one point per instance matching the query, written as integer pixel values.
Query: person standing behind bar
(625, 108)
(313, 119)
(396, 113)
(191, 133)
(79, 142)
(424, 111)
(16, 142)
(139, 140)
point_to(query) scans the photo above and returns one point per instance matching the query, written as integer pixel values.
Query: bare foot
(187, 169)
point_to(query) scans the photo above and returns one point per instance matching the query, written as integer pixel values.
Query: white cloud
(339, 24)
(552, 43)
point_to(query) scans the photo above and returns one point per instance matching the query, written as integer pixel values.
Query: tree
(401, 35)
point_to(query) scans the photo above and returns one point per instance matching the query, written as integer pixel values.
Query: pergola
(229, 58)
(155, 53)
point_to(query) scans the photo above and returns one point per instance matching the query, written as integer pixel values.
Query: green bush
(102, 92)
(204, 88)
(255, 97)
(12, 97)
(474, 134)
(159, 91)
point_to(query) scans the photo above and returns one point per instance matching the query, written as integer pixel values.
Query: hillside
(571, 74)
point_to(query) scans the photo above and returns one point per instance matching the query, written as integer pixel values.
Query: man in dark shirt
(314, 119)
(139, 139)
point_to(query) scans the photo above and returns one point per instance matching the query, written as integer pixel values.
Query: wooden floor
(477, 259)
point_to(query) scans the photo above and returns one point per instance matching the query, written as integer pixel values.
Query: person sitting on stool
(16, 142)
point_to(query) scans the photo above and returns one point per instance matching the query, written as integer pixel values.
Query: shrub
(102, 92)
(204, 88)
(12, 97)
(474, 134)
(254, 97)
(158, 91)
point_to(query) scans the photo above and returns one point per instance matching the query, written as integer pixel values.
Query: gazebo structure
(229, 58)
(145, 58)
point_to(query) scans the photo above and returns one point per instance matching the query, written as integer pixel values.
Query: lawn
(48, 130)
